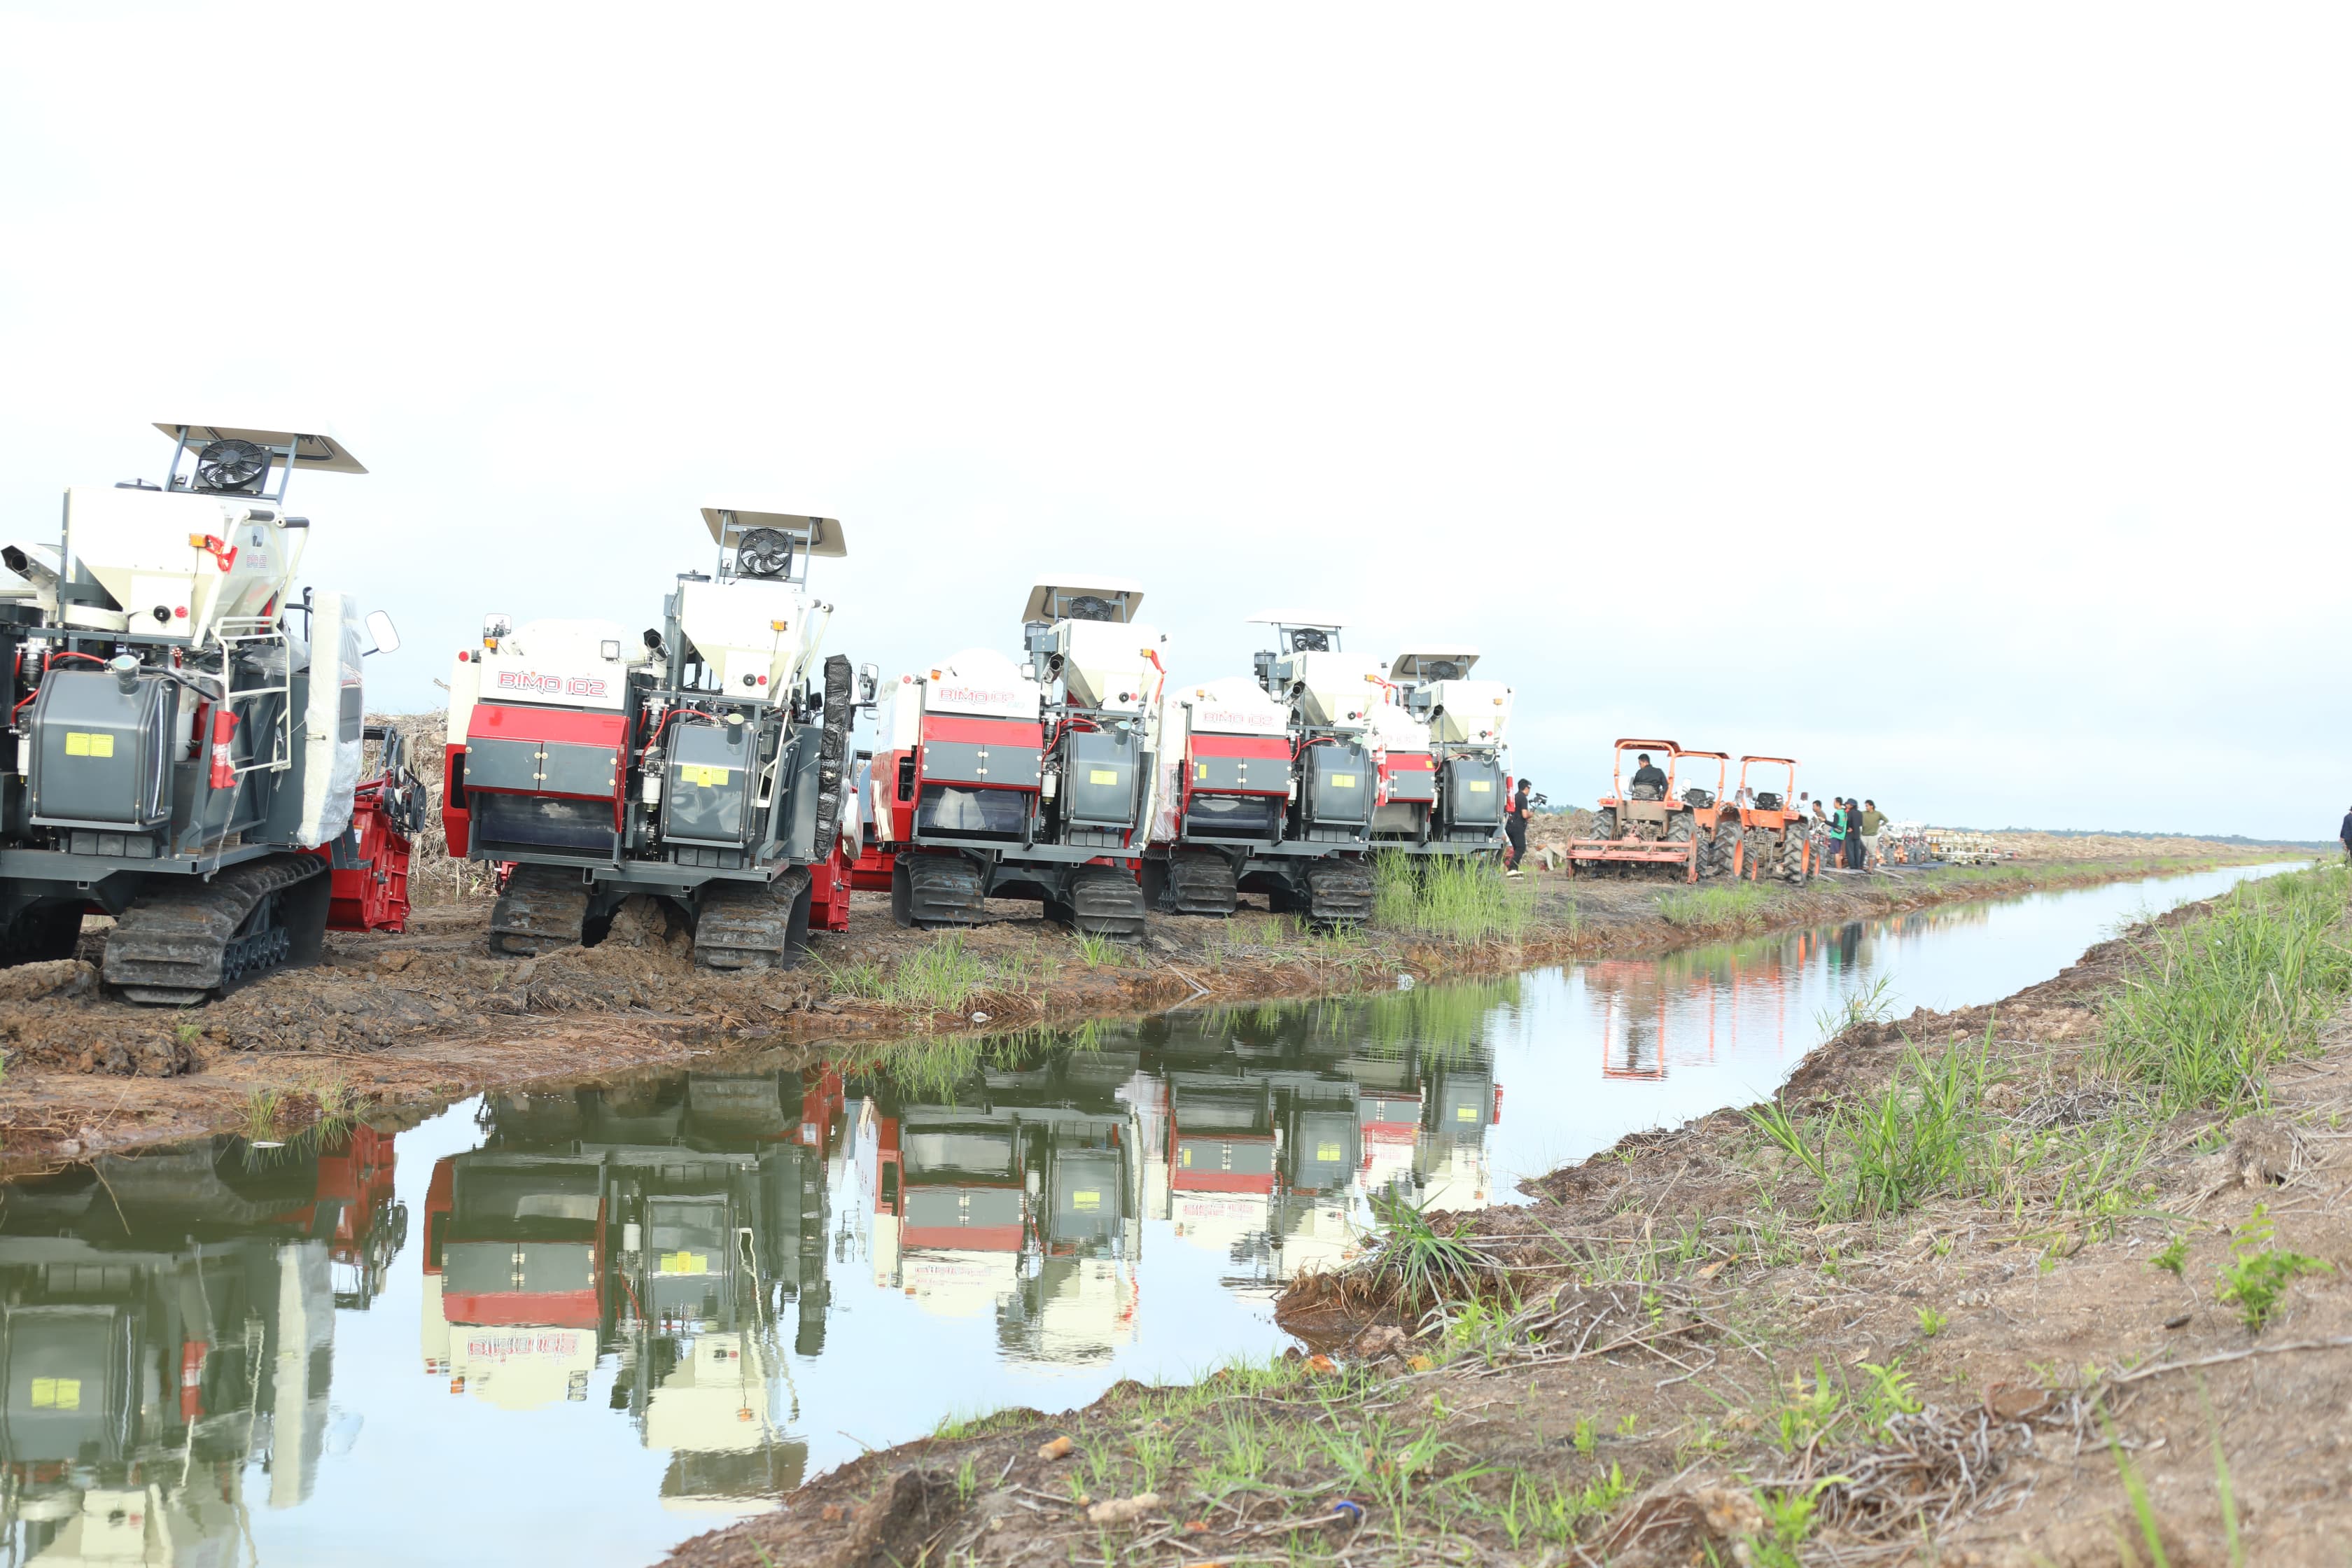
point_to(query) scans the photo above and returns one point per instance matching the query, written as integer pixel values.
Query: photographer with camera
(1514, 824)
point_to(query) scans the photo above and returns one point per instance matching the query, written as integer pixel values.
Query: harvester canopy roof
(1408, 666)
(319, 448)
(1045, 600)
(730, 520)
(1297, 618)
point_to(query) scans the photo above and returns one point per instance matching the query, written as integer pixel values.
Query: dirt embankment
(429, 1015)
(2108, 1334)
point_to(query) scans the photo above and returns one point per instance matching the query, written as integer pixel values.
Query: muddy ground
(427, 1016)
(1672, 1357)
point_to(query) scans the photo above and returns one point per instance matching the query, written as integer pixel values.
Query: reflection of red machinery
(355, 1182)
(1221, 1137)
(519, 1241)
(952, 1181)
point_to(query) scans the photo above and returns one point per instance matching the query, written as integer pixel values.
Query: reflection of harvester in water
(667, 1224)
(1022, 1196)
(1274, 1138)
(167, 1319)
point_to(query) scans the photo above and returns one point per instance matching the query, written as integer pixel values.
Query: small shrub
(2257, 1275)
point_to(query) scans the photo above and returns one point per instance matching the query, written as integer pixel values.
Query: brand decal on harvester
(956, 693)
(550, 684)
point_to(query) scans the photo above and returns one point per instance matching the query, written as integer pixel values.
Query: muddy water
(580, 1327)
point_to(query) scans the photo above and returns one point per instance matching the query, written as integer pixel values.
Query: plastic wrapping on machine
(333, 720)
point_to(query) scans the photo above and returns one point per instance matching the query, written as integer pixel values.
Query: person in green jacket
(1873, 822)
(1837, 834)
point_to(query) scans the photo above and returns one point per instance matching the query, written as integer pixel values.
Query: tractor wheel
(1681, 830)
(1604, 823)
(1724, 852)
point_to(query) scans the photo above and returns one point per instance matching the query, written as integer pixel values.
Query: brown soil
(1682, 1309)
(428, 1014)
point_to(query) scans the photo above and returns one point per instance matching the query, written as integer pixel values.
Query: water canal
(582, 1326)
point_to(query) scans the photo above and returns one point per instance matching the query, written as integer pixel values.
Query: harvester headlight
(230, 465)
(609, 649)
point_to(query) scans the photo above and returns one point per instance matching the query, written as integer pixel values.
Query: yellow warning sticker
(696, 773)
(1184, 1157)
(1481, 786)
(1465, 1113)
(88, 743)
(686, 1263)
(1201, 770)
(56, 1393)
(1328, 1152)
(1343, 781)
(1085, 1203)
(1102, 775)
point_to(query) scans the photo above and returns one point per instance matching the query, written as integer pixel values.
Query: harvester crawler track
(542, 908)
(936, 890)
(1107, 903)
(753, 925)
(1340, 891)
(1197, 885)
(178, 943)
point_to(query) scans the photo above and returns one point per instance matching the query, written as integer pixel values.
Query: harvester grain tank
(185, 742)
(703, 763)
(1456, 799)
(995, 779)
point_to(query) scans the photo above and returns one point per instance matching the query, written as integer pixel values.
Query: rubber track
(1339, 890)
(542, 908)
(945, 889)
(166, 950)
(1104, 902)
(1200, 885)
(748, 925)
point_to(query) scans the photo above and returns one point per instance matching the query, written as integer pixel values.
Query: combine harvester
(1444, 783)
(1269, 780)
(993, 780)
(699, 763)
(1676, 825)
(185, 745)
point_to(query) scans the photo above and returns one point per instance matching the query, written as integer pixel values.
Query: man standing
(1514, 824)
(1873, 823)
(1837, 833)
(2346, 837)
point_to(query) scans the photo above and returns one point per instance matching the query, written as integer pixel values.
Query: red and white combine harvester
(704, 762)
(1444, 779)
(1273, 782)
(994, 779)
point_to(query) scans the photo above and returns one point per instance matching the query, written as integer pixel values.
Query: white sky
(1957, 403)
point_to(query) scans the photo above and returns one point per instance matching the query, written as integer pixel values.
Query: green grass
(938, 978)
(1926, 1134)
(1425, 1265)
(1735, 906)
(1094, 949)
(2255, 1279)
(1455, 897)
(2214, 1005)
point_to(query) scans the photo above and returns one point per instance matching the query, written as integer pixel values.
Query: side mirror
(387, 636)
(870, 677)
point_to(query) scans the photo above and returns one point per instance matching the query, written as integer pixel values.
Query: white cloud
(1956, 402)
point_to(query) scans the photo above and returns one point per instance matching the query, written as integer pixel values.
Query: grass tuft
(2216, 1002)
(1734, 908)
(1455, 897)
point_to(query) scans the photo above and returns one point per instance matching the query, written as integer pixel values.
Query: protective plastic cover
(332, 721)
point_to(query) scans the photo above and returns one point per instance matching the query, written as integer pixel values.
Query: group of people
(1850, 831)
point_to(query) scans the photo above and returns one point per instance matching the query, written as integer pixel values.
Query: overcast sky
(1956, 403)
